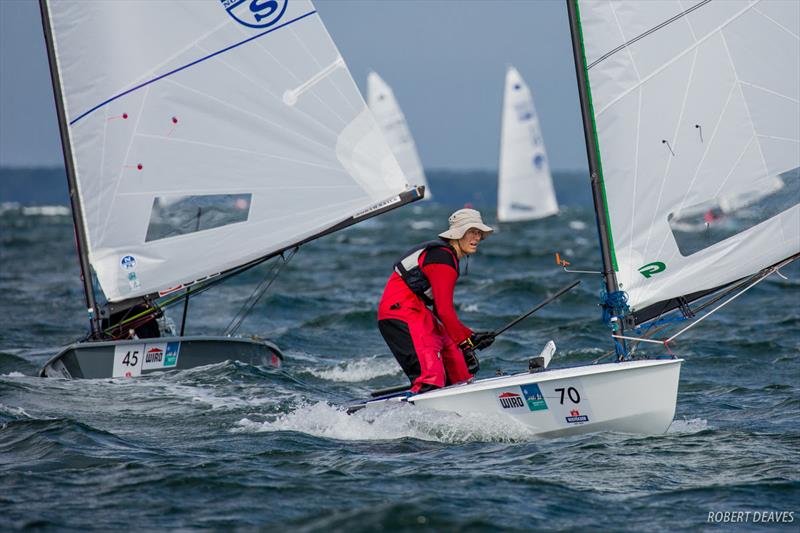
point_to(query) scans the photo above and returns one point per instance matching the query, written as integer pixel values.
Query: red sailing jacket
(440, 266)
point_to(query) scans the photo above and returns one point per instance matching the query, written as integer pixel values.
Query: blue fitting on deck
(615, 308)
(614, 304)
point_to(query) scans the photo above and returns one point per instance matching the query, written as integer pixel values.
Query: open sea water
(239, 447)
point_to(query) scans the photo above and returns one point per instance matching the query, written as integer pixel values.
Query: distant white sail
(525, 186)
(392, 121)
(208, 134)
(695, 103)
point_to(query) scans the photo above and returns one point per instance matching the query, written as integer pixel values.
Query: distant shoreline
(32, 186)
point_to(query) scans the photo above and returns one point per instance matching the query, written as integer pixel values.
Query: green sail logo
(652, 268)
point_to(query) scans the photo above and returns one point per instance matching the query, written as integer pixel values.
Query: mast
(74, 199)
(596, 176)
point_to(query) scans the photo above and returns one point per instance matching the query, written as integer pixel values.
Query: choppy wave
(222, 440)
(358, 370)
(392, 422)
(691, 425)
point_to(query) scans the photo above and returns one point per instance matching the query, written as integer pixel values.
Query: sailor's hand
(473, 365)
(480, 340)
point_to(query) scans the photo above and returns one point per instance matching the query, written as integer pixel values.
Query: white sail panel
(695, 104)
(525, 185)
(392, 121)
(208, 134)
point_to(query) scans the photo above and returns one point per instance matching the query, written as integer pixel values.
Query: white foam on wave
(14, 375)
(391, 422)
(577, 224)
(46, 210)
(224, 400)
(688, 425)
(421, 224)
(470, 308)
(15, 411)
(358, 370)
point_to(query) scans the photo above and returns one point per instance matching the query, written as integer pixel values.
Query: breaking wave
(357, 371)
(392, 422)
(688, 425)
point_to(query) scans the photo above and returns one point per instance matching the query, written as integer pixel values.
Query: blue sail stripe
(218, 52)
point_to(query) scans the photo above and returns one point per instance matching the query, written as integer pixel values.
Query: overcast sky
(445, 60)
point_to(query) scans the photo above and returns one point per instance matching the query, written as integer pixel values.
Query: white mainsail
(525, 185)
(207, 134)
(392, 121)
(694, 102)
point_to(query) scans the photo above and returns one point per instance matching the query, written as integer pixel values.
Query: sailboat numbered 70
(682, 104)
(201, 139)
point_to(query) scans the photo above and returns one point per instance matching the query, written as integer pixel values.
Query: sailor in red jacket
(416, 315)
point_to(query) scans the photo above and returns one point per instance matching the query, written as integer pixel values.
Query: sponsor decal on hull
(575, 417)
(510, 400)
(534, 397)
(171, 354)
(161, 355)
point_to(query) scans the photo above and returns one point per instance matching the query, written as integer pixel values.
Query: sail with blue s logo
(255, 13)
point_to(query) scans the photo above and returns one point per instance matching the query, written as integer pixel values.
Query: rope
(258, 293)
(614, 304)
(693, 324)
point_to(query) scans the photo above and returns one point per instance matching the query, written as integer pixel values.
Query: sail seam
(298, 80)
(240, 150)
(245, 112)
(339, 59)
(267, 89)
(238, 190)
(778, 24)
(301, 81)
(674, 139)
(622, 33)
(776, 138)
(184, 67)
(633, 204)
(688, 23)
(744, 101)
(770, 91)
(699, 166)
(645, 34)
(733, 168)
(676, 58)
(124, 166)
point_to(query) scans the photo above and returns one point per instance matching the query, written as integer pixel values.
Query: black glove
(473, 365)
(480, 340)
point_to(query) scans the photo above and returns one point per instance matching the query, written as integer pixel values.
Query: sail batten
(697, 118)
(188, 65)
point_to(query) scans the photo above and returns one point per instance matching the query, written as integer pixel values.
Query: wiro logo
(509, 400)
(255, 13)
(651, 269)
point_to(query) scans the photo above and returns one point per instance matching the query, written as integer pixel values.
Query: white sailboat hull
(629, 397)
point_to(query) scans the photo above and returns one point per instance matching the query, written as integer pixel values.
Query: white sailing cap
(463, 220)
